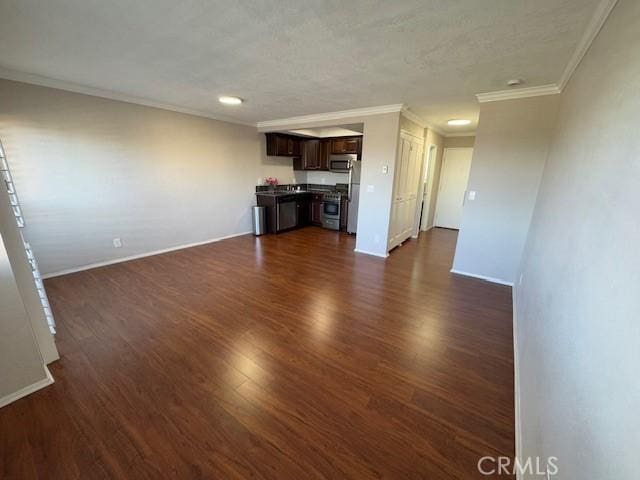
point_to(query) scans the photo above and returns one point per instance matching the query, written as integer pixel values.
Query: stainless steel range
(331, 211)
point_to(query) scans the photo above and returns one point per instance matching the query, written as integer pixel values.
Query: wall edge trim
(482, 277)
(366, 252)
(29, 389)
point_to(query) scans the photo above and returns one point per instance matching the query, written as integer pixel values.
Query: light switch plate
(385, 169)
(472, 195)
(369, 188)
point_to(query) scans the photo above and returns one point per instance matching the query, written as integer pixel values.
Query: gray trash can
(259, 220)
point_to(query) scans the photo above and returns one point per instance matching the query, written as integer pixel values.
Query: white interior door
(456, 164)
(405, 189)
(402, 162)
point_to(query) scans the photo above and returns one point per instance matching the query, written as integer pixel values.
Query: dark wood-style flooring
(272, 357)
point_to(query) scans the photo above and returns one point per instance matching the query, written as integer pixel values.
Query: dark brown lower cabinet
(279, 211)
(308, 208)
(344, 213)
(315, 207)
(302, 202)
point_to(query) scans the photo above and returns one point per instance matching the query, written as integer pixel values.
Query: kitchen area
(327, 166)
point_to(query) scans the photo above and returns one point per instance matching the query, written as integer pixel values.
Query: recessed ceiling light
(459, 122)
(230, 100)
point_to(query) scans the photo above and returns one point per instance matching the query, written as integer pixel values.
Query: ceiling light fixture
(515, 82)
(459, 122)
(230, 100)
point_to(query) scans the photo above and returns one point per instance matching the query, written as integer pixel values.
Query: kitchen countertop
(304, 190)
(280, 193)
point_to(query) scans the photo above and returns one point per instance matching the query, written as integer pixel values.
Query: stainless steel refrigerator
(354, 195)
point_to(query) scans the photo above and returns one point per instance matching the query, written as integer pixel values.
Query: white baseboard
(482, 277)
(140, 255)
(371, 253)
(23, 392)
(516, 385)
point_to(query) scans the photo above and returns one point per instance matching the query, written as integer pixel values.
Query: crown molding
(593, 28)
(526, 92)
(39, 80)
(416, 119)
(321, 117)
(605, 7)
(413, 117)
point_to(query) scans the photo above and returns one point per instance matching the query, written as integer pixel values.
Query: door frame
(426, 176)
(442, 169)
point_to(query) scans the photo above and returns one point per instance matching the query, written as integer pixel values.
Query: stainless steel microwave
(341, 163)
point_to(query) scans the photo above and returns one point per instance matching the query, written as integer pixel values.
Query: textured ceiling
(296, 57)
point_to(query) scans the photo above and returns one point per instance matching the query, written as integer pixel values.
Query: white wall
(510, 151)
(321, 178)
(379, 150)
(578, 308)
(21, 364)
(90, 169)
(459, 142)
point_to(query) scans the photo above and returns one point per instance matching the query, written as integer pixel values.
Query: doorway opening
(454, 177)
(422, 223)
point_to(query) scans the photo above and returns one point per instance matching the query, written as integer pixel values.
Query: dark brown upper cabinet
(281, 145)
(311, 154)
(346, 145)
(325, 151)
(315, 155)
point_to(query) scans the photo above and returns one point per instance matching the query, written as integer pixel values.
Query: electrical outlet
(385, 169)
(117, 243)
(376, 238)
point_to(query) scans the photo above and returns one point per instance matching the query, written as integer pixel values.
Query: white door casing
(422, 213)
(456, 165)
